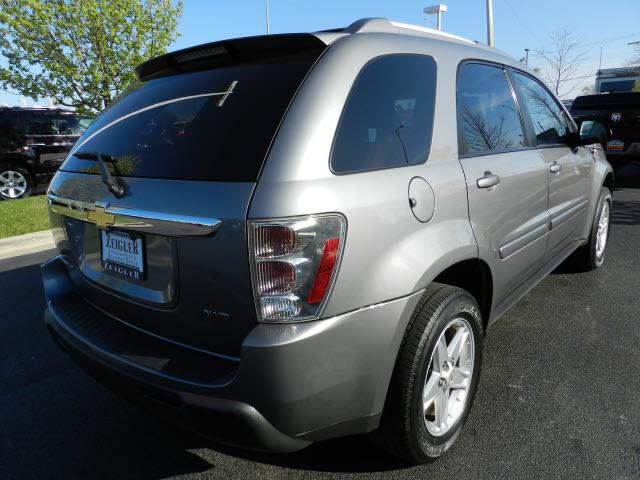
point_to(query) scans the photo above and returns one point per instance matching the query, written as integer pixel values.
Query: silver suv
(283, 239)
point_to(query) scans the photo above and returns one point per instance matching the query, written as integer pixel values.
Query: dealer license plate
(615, 146)
(123, 254)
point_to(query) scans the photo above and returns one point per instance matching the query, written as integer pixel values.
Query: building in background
(618, 80)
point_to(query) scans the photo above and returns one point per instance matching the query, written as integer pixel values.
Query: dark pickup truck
(33, 143)
(621, 112)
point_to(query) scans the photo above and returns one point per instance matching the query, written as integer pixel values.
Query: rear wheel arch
(21, 162)
(474, 276)
(397, 430)
(608, 181)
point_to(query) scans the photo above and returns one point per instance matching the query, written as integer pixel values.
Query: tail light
(294, 263)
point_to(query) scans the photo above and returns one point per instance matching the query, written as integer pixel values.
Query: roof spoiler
(225, 52)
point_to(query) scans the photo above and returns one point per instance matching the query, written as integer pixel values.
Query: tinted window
(616, 86)
(488, 119)
(10, 134)
(51, 123)
(178, 127)
(388, 117)
(83, 123)
(549, 121)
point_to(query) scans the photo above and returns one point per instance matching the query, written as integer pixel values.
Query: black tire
(403, 430)
(586, 258)
(15, 167)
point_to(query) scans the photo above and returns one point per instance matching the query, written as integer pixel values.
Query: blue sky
(519, 24)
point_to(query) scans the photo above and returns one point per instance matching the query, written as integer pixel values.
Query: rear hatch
(187, 143)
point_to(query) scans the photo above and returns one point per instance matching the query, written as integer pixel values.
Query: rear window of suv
(211, 125)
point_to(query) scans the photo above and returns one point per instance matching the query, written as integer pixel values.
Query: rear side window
(16, 125)
(51, 124)
(10, 133)
(549, 121)
(388, 118)
(488, 119)
(181, 127)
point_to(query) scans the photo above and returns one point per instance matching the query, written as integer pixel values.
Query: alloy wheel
(603, 230)
(12, 184)
(448, 377)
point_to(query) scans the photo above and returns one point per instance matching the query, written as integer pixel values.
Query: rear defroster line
(224, 94)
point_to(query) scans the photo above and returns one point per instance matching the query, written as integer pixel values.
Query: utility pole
(266, 12)
(526, 56)
(490, 23)
(600, 63)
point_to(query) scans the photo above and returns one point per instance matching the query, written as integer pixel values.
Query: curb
(26, 244)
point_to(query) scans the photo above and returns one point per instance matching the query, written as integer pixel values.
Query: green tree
(81, 53)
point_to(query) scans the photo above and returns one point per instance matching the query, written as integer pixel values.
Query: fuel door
(421, 199)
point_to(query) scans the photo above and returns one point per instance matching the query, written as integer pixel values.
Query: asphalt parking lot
(559, 395)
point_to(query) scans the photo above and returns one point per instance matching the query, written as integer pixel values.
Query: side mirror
(593, 131)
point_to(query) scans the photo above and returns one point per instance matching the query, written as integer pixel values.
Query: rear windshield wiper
(109, 180)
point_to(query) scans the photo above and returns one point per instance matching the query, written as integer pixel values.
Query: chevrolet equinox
(283, 239)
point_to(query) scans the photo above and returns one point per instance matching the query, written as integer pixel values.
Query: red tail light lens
(325, 270)
(294, 262)
(275, 277)
(274, 240)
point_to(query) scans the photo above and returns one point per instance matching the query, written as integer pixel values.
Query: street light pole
(526, 56)
(266, 12)
(437, 10)
(490, 23)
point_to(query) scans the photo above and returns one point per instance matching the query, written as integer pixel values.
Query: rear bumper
(292, 385)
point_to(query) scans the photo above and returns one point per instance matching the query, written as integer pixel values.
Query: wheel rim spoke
(440, 355)
(431, 391)
(442, 409)
(460, 379)
(456, 344)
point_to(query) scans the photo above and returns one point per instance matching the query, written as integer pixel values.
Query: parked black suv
(621, 112)
(33, 143)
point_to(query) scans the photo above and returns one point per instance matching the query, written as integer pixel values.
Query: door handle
(489, 180)
(555, 167)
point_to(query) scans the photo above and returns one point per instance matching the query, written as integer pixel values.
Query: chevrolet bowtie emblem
(100, 216)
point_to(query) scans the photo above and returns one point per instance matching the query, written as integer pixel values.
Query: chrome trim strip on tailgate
(107, 216)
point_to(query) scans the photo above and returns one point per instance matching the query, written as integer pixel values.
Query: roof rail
(384, 25)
